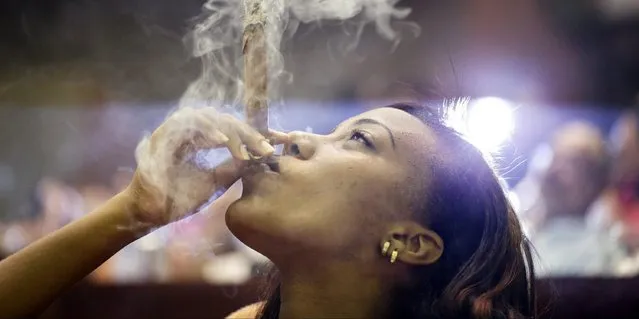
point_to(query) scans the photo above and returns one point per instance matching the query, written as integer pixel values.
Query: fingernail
(266, 147)
(245, 154)
(223, 138)
(220, 138)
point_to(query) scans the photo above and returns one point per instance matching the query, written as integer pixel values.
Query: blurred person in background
(530, 208)
(625, 174)
(622, 196)
(195, 241)
(26, 228)
(570, 181)
(52, 205)
(202, 248)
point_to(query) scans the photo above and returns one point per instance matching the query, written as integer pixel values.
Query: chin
(240, 214)
(248, 221)
(256, 224)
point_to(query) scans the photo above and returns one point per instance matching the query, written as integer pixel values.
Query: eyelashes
(362, 137)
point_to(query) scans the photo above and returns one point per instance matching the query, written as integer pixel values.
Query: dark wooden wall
(561, 298)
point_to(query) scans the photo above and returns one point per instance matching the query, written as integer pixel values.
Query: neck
(332, 291)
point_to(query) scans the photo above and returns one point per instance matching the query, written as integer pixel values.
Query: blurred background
(554, 89)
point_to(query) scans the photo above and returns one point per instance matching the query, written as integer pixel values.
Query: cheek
(345, 186)
(339, 203)
(330, 206)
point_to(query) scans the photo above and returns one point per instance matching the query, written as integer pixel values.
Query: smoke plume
(216, 39)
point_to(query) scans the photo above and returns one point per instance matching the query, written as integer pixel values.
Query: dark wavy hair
(486, 269)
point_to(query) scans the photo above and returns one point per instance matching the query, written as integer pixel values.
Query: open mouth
(267, 165)
(273, 165)
(260, 174)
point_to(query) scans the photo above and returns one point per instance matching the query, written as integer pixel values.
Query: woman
(392, 215)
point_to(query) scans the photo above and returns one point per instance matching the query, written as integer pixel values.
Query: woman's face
(335, 194)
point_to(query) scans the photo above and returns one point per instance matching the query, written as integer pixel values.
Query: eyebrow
(375, 122)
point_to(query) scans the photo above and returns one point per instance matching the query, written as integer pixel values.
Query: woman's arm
(166, 187)
(33, 277)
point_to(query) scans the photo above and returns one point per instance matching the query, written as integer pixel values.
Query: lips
(259, 177)
(266, 164)
(271, 168)
(274, 166)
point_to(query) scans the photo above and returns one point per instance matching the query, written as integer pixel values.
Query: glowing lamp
(490, 122)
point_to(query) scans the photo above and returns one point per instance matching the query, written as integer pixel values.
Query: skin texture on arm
(32, 278)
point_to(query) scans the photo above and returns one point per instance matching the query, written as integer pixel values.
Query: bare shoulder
(248, 312)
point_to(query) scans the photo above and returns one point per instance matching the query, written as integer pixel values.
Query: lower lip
(266, 172)
(255, 180)
(260, 171)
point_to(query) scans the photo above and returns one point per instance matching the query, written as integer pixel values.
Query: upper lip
(271, 164)
(274, 165)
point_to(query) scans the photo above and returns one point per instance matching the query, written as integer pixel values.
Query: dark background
(561, 298)
(84, 52)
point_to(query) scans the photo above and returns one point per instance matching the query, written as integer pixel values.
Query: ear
(415, 244)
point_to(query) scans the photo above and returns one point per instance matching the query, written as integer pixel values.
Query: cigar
(255, 70)
(254, 50)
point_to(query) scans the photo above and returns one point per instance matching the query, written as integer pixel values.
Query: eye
(361, 137)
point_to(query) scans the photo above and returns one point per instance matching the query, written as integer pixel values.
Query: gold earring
(385, 248)
(393, 256)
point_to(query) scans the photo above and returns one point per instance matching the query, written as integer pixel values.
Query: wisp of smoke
(217, 40)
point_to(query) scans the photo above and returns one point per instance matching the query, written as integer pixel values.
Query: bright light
(489, 122)
(514, 201)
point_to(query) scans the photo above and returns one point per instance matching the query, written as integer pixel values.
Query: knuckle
(296, 134)
(227, 117)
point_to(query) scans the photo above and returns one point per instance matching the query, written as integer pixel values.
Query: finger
(197, 141)
(209, 130)
(228, 173)
(248, 136)
(277, 137)
(260, 147)
(235, 146)
(255, 141)
(210, 140)
(218, 137)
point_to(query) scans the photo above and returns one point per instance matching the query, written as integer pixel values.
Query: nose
(303, 145)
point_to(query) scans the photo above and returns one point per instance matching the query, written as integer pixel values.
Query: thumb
(228, 173)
